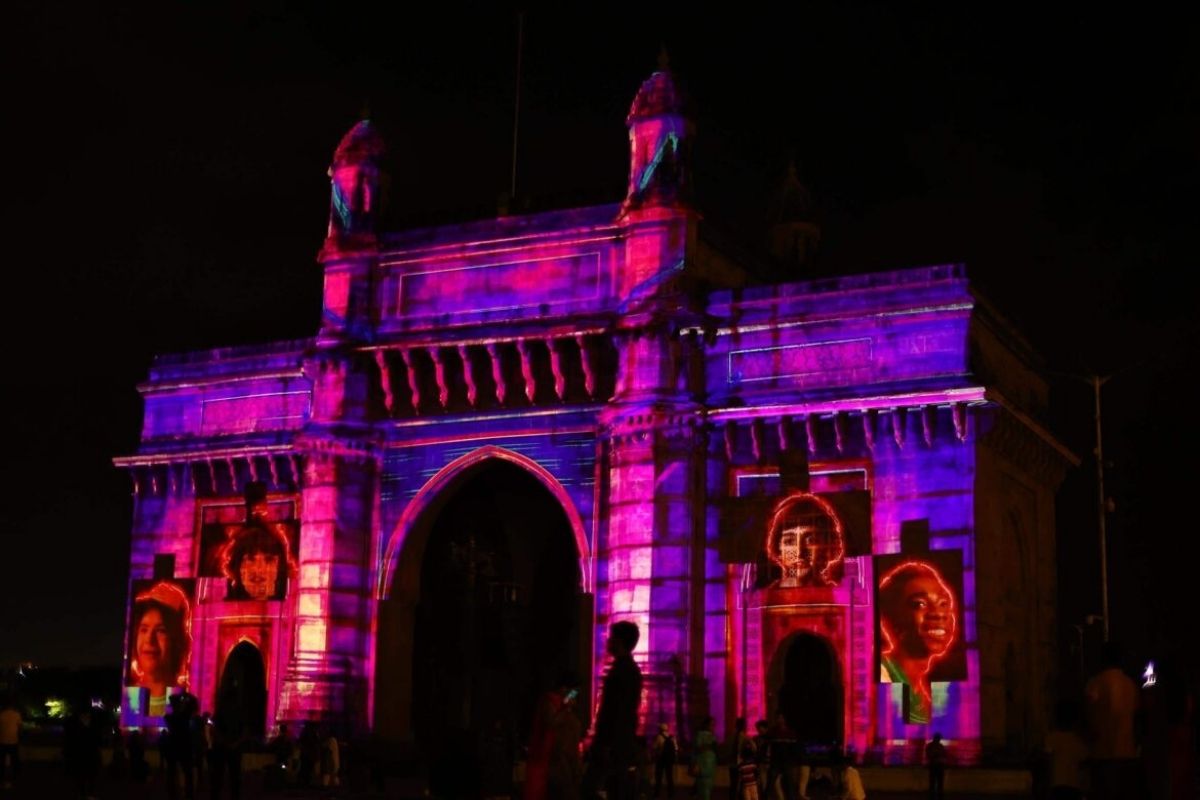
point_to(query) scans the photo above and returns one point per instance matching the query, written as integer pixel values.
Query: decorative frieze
(210, 473)
(523, 372)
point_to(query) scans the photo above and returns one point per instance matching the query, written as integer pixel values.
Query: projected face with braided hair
(805, 540)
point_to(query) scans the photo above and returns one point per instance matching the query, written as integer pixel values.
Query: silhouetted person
(666, 753)
(179, 749)
(554, 744)
(331, 757)
(81, 752)
(747, 773)
(281, 747)
(139, 770)
(118, 768)
(10, 740)
(612, 757)
(310, 753)
(784, 759)
(231, 733)
(201, 741)
(846, 778)
(762, 757)
(741, 740)
(1112, 703)
(936, 758)
(705, 756)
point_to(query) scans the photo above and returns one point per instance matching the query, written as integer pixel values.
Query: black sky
(167, 191)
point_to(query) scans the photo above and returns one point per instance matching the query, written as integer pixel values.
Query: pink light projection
(805, 540)
(636, 373)
(918, 621)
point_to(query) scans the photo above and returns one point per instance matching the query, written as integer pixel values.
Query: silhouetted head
(622, 637)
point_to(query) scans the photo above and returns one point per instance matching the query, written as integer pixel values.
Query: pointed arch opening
(242, 691)
(805, 685)
(484, 604)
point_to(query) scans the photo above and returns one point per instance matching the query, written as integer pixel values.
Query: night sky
(167, 191)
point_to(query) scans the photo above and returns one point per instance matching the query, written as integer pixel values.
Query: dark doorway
(805, 685)
(497, 620)
(243, 687)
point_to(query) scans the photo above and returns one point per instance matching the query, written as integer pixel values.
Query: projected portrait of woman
(160, 642)
(256, 561)
(805, 541)
(918, 621)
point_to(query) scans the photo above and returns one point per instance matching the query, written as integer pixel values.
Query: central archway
(805, 685)
(485, 609)
(243, 687)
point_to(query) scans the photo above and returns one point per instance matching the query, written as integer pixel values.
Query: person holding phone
(553, 769)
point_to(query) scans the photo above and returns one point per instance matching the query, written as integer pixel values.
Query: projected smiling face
(925, 620)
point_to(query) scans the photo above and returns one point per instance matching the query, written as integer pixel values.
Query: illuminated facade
(508, 434)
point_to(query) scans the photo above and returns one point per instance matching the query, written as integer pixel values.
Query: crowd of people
(1124, 740)
(618, 764)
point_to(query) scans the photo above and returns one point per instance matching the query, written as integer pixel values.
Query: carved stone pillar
(328, 672)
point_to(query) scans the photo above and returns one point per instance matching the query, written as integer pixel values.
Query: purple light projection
(574, 346)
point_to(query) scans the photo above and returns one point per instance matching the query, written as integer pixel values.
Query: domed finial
(659, 144)
(794, 234)
(664, 61)
(792, 202)
(355, 176)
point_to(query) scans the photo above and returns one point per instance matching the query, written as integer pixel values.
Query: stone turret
(659, 145)
(793, 233)
(355, 180)
(351, 249)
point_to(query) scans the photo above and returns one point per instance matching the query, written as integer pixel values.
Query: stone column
(328, 673)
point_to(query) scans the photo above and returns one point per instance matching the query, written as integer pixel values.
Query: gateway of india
(828, 501)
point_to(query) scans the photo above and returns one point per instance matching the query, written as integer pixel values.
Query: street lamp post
(1102, 503)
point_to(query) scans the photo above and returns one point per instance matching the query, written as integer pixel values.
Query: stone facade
(635, 374)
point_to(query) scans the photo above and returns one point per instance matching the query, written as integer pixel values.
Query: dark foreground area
(47, 780)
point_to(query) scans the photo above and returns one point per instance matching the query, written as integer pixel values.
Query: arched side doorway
(804, 683)
(243, 687)
(485, 608)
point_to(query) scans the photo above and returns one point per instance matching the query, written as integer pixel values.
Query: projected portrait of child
(805, 541)
(256, 561)
(160, 641)
(918, 621)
